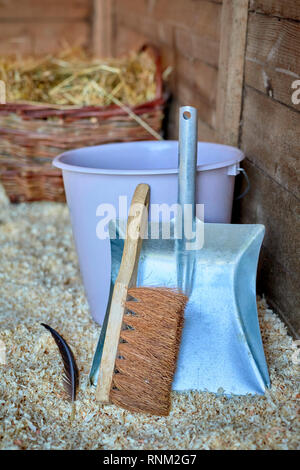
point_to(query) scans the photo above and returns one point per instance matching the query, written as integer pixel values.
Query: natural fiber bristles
(148, 349)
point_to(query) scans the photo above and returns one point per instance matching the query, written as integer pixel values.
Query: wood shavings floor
(39, 281)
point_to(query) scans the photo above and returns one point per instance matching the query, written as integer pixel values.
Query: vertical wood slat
(234, 18)
(102, 28)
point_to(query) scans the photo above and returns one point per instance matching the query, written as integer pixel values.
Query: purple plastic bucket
(97, 175)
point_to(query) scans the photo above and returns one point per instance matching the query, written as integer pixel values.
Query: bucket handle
(247, 181)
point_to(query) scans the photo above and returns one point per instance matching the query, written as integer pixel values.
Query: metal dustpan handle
(187, 157)
(187, 163)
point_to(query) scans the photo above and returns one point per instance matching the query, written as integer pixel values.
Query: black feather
(71, 377)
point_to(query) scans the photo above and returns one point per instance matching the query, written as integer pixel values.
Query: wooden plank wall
(270, 138)
(188, 35)
(41, 26)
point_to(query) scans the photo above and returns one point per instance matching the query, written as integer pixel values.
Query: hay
(39, 281)
(73, 79)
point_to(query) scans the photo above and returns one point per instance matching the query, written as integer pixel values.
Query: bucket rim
(236, 157)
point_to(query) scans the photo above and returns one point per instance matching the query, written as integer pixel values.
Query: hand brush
(143, 330)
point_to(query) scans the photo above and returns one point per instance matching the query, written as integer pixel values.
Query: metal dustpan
(221, 349)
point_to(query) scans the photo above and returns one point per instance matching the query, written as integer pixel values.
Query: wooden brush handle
(134, 233)
(126, 279)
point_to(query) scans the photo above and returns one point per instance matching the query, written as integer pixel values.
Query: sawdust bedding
(39, 281)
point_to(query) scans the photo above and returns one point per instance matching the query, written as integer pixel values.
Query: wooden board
(282, 8)
(196, 85)
(231, 69)
(189, 96)
(278, 84)
(206, 133)
(273, 56)
(102, 28)
(44, 9)
(197, 47)
(270, 138)
(274, 41)
(25, 38)
(270, 204)
(281, 289)
(200, 78)
(127, 39)
(201, 16)
(170, 23)
(154, 31)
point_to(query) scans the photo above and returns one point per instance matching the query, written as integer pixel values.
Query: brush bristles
(148, 349)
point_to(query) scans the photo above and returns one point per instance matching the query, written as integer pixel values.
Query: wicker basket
(29, 140)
